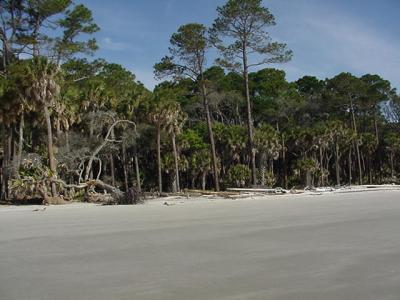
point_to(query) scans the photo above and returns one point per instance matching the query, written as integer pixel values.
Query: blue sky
(327, 37)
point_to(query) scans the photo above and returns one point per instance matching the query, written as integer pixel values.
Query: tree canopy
(72, 125)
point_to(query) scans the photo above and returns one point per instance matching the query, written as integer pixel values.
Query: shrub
(238, 176)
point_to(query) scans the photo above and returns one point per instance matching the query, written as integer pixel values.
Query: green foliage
(187, 53)
(191, 140)
(268, 141)
(77, 21)
(238, 176)
(267, 178)
(307, 132)
(246, 36)
(306, 165)
(33, 178)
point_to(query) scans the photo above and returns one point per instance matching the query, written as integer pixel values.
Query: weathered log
(50, 200)
(132, 196)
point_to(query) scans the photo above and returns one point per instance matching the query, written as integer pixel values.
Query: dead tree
(102, 145)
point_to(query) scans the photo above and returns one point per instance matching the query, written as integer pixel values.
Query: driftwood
(50, 200)
(212, 193)
(132, 196)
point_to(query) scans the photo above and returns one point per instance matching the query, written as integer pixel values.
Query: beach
(330, 246)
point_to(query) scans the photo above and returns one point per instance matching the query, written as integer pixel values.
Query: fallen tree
(118, 197)
(104, 143)
(37, 179)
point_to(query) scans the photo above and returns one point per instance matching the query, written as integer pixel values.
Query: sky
(327, 37)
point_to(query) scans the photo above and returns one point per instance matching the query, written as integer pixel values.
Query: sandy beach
(331, 246)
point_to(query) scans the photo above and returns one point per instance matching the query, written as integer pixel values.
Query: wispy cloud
(353, 44)
(168, 7)
(328, 39)
(108, 44)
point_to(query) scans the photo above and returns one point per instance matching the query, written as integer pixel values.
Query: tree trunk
(20, 142)
(392, 163)
(14, 149)
(308, 179)
(159, 158)
(9, 145)
(250, 124)
(99, 148)
(112, 169)
(176, 161)
(67, 144)
(210, 134)
(124, 162)
(370, 169)
(119, 197)
(193, 182)
(203, 180)
(360, 174)
(321, 161)
(5, 164)
(112, 163)
(91, 133)
(58, 128)
(137, 171)
(337, 167)
(50, 149)
(350, 168)
(2, 183)
(263, 171)
(285, 175)
(376, 127)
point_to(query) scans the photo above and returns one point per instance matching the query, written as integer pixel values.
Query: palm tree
(41, 86)
(268, 145)
(158, 118)
(175, 119)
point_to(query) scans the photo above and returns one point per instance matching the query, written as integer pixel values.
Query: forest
(73, 126)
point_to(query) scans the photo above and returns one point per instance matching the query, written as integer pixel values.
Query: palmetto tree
(40, 85)
(175, 120)
(158, 118)
(188, 51)
(338, 134)
(268, 145)
(393, 147)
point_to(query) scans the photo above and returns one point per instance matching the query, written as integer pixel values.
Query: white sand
(334, 246)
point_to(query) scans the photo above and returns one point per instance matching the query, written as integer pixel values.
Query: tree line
(71, 125)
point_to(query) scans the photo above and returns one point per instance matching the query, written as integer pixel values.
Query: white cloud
(359, 47)
(328, 39)
(168, 7)
(108, 44)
